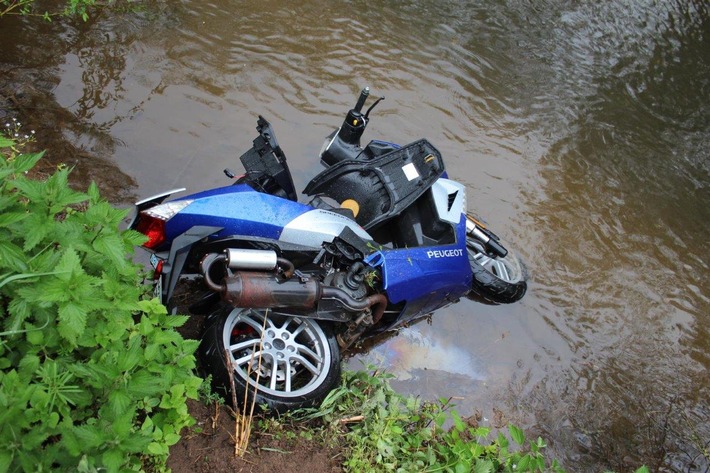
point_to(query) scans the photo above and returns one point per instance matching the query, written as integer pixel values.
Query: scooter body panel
(239, 210)
(432, 276)
(316, 226)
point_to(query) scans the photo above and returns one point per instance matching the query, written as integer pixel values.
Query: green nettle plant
(93, 375)
(77, 8)
(392, 432)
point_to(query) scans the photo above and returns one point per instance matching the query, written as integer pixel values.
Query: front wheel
(496, 280)
(280, 360)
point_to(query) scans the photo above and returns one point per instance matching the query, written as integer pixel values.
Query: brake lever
(367, 114)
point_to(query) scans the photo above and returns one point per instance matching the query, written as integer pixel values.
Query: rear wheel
(283, 361)
(496, 280)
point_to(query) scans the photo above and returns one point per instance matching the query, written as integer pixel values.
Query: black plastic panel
(384, 186)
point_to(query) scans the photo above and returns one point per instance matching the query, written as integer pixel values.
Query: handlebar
(361, 100)
(344, 143)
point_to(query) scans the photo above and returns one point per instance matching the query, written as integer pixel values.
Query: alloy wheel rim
(285, 356)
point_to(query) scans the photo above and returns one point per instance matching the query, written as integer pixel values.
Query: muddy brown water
(581, 130)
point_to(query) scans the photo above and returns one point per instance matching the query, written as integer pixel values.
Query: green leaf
(123, 425)
(33, 190)
(88, 436)
(167, 337)
(69, 264)
(5, 460)
(12, 257)
(7, 202)
(49, 290)
(83, 466)
(152, 350)
(458, 423)
(152, 306)
(6, 280)
(118, 402)
(147, 425)
(6, 142)
(642, 469)
(176, 320)
(462, 467)
(29, 364)
(35, 337)
(144, 384)
(113, 459)
(516, 434)
(112, 247)
(72, 321)
(134, 238)
(20, 311)
(25, 162)
(171, 439)
(157, 449)
(53, 420)
(483, 466)
(7, 219)
(524, 463)
(128, 359)
(93, 192)
(39, 225)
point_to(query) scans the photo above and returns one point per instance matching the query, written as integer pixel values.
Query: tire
(306, 346)
(496, 280)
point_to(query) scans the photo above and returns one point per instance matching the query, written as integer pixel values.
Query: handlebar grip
(361, 100)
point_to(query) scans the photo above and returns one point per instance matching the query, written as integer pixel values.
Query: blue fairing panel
(412, 273)
(239, 209)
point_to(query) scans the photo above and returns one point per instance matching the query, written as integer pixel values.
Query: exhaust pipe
(264, 290)
(259, 260)
(263, 260)
(269, 290)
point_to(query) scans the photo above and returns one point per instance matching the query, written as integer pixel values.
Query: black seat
(381, 188)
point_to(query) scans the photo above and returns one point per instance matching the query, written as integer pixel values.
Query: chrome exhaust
(257, 260)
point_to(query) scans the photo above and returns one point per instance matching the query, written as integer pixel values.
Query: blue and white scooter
(385, 239)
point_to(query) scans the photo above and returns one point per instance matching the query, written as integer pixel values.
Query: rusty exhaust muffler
(264, 289)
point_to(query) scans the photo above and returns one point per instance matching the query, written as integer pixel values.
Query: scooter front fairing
(426, 278)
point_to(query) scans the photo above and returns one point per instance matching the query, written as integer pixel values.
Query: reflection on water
(580, 129)
(410, 351)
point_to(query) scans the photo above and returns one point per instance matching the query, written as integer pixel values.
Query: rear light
(153, 228)
(151, 222)
(158, 269)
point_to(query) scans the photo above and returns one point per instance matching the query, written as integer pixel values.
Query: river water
(581, 130)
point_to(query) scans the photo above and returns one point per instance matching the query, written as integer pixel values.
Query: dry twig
(353, 419)
(243, 420)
